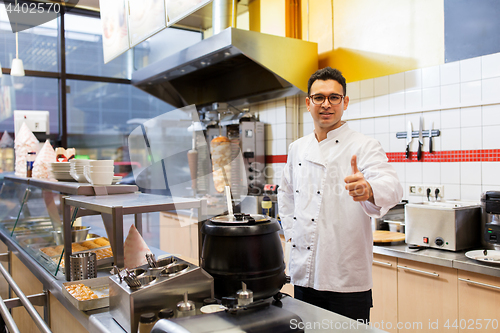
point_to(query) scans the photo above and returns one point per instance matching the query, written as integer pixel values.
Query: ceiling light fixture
(17, 68)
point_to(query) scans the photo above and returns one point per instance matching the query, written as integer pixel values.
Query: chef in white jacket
(333, 181)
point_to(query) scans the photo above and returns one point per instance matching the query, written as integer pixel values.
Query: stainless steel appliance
(247, 137)
(490, 220)
(394, 220)
(158, 289)
(232, 65)
(449, 225)
(248, 134)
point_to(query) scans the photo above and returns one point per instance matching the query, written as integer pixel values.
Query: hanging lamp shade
(17, 68)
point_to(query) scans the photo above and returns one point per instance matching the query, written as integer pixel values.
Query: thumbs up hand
(359, 189)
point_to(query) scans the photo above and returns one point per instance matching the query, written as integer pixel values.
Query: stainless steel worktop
(444, 258)
(315, 319)
(73, 188)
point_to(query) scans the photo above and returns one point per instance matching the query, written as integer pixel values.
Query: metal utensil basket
(83, 266)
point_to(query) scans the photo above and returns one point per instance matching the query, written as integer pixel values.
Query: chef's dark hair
(324, 74)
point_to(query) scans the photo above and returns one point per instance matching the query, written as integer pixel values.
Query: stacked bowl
(99, 172)
(76, 170)
(61, 170)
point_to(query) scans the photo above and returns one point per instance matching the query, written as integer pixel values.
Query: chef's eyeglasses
(319, 99)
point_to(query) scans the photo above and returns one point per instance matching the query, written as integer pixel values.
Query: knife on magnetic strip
(408, 139)
(420, 139)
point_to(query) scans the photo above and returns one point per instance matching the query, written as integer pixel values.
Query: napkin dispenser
(447, 225)
(160, 288)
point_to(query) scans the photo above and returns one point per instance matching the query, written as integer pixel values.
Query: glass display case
(31, 213)
(25, 217)
(39, 215)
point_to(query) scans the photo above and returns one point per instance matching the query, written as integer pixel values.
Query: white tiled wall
(462, 99)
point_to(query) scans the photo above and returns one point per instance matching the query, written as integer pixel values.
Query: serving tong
(151, 260)
(129, 277)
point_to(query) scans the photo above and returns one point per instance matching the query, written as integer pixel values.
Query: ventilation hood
(234, 66)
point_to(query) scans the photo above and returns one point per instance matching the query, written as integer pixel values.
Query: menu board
(178, 9)
(146, 17)
(115, 38)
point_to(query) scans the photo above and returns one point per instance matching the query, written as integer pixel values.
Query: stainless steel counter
(444, 258)
(73, 188)
(314, 319)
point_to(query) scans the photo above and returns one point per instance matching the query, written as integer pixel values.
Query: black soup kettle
(243, 248)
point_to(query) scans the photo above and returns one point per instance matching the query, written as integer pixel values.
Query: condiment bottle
(267, 205)
(166, 313)
(146, 322)
(186, 307)
(30, 160)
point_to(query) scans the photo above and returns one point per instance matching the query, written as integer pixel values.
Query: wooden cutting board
(383, 236)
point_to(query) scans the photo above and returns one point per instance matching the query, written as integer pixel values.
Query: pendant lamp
(17, 68)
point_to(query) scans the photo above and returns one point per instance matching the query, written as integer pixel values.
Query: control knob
(439, 241)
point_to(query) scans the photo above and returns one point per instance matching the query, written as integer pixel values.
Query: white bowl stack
(99, 172)
(76, 170)
(60, 170)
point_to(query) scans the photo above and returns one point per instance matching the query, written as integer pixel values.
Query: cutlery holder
(83, 266)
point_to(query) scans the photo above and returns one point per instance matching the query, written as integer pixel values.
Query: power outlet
(417, 190)
(440, 189)
(421, 190)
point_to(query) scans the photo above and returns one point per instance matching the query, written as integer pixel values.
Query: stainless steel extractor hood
(235, 66)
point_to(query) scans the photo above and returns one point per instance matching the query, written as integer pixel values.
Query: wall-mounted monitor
(37, 121)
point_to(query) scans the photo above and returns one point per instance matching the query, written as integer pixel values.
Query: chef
(335, 179)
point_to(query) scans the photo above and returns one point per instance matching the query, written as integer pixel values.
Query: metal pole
(9, 321)
(29, 307)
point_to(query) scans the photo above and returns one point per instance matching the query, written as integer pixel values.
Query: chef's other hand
(359, 189)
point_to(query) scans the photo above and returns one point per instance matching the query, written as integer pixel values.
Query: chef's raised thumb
(354, 164)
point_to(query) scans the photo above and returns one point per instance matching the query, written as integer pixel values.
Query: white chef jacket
(331, 235)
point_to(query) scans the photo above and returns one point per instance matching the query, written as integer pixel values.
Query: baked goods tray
(55, 257)
(100, 287)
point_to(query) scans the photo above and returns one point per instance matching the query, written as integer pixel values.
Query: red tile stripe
(275, 159)
(477, 155)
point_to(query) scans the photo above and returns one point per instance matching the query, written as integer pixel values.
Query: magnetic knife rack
(415, 134)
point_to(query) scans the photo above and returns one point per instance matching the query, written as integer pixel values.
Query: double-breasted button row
(293, 245)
